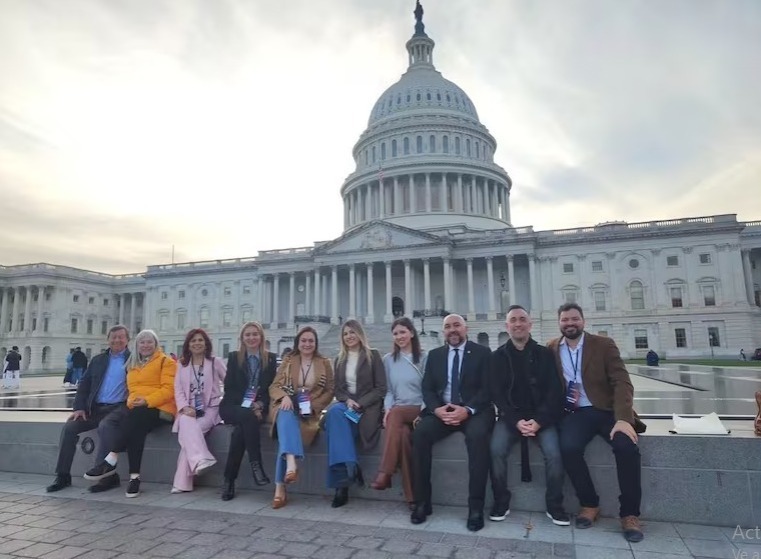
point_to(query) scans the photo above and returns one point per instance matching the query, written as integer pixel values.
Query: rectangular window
(74, 325)
(599, 300)
(105, 302)
(227, 319)
(89, 325)
(680, 336)
(672, 261)
(597, 265)
(569, 296)
(47, 296)
(34, 324)
(640, 339)
(602, 333)
(228, 291)
(713, 336)
(568, 268)
(225, 350)
(164, 295)
(204, 318)
(163, 322)
(709, 296)
(246, 315)
(246, 290)
(181, 294)
(181, 321)
(104, 327)
(76, 298)
(676, 297)
(91, 301)
(705, 258)
(45, 324)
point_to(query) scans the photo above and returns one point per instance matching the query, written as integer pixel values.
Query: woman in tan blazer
(302, 389)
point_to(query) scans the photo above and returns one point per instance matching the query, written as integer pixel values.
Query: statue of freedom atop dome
(419, 25)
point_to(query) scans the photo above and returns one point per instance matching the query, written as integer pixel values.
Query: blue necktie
(455, 397)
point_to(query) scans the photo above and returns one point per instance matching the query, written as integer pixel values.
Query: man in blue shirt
(101, 393)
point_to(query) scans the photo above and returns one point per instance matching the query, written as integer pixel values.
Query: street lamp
(502, 279)
(422, 324)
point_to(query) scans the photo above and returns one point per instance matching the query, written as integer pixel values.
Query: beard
(571, 332)
(454, 339)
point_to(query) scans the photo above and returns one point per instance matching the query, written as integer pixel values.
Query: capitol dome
(425, 160)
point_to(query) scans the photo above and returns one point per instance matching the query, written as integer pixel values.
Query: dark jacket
(543, 381)
(371, 389)
(13, 359)
(79, 360)
(89, 385)
(238, 379)
(474, 377)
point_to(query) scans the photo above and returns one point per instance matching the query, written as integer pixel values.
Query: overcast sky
(225, 127)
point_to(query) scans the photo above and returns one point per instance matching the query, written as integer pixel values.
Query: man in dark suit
(101, 394)
(598, 401)
(456, 397)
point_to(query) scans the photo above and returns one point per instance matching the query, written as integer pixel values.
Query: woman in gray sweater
(404, 399)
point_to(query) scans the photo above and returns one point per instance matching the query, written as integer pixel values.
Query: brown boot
(632, 529)
(586, 517)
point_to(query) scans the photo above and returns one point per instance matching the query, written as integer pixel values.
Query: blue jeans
(76, 376)
(577, 429)
(502, 439)
(342, 451)
(289, 441)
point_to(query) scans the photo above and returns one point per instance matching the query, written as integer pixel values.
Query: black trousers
(477, 430)
(105, 418)
(245, 437)
(138, 422)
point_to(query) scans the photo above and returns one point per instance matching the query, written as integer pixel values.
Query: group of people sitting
(496, 399)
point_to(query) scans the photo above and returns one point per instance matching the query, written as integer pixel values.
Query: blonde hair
(343, 353)
(263, 353)
(134, 357)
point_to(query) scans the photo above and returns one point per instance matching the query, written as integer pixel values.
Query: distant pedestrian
(742, 355)
(79, 364)
(12, 371)
(69, 368)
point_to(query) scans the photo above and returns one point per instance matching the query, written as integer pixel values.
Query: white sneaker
(204, 465)
(176, 490)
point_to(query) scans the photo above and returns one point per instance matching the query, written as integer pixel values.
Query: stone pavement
(75, 524)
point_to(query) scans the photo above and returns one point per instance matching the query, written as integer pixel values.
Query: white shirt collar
(461, 347)
(578, 346)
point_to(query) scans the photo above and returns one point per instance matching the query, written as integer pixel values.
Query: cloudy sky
(225, 127)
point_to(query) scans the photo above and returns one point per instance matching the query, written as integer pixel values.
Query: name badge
(353, 415)
(249, 398)
(305, 402)
(198, 401)
(572, 396)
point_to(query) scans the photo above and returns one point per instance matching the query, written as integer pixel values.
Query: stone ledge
(707, 479)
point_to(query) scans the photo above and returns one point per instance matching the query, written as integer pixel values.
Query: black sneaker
(559, 517)
(105, 484)
(133, 488)
(499, 512)
(104, 469)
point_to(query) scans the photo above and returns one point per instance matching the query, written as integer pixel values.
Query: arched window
(419, 144)
(478, 151)
(445, 144)
(374, 156)
(432, 144)
(366, 157)
(383, 151)
(457, 145)
(637, 295)
(393, 148)
(406, 145)
(467, 147)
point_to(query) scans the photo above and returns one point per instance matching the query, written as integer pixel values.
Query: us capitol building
(427, 230)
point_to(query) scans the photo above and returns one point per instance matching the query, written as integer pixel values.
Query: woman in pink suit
(197, 392)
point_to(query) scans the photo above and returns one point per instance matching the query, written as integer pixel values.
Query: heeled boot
(341, 497)
(228, 489)
(260, 478)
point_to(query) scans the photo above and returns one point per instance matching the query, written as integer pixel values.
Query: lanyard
(574, 364)
(254, 372)
(197, 374)
(304, 375)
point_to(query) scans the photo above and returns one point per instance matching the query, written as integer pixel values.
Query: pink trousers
(193, 449)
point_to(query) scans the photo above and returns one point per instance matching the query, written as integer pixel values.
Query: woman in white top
(404, 398)
(360, 389)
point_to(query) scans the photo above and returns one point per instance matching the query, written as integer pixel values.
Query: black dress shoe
(420, 513)
(228, 490)
(62, 481)
(105, 484)
(341, 497)
(104, 469)
(260, 478)
(475, 520)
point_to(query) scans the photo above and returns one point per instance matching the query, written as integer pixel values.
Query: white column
(413, 195)
(535, 305)
(147, 323)
(317, 302)
(747, 272)
(3, 310)
(583, 295)
(275, 298)
(458, 205)
(352, 293)
(334, 294)
(471, 294)
(308, 290)
(407, 289)
(490, 286)
(447, 285)
(28, 309)
(121, 311)
(260, 311)
(511, 278)
(132, 312)
(382, 196)
(370, 307)
(16, 305)
(291, 297)
(398, 206)
(428, 192)
(389, 317)
(427, 283)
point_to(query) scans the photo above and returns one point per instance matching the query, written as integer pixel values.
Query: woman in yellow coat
(150, 403)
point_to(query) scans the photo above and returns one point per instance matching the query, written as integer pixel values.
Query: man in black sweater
(527, 391)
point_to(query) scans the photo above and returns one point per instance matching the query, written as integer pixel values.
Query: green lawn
(707, 362)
